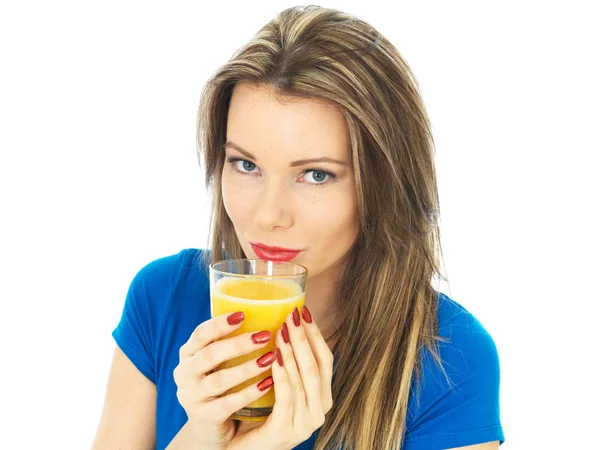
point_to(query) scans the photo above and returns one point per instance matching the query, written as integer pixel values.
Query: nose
(274, 211)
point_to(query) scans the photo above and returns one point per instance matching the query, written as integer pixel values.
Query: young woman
(316, 145)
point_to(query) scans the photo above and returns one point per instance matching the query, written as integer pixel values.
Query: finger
(221, 381)
(218, 352)
(291, 367)
(210, 331)
(227, 405)
(281, 417)
(307, 366)
(323, 356)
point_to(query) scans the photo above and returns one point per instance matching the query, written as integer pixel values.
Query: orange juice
(266, 302)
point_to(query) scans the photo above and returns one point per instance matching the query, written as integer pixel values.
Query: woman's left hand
(302, 389)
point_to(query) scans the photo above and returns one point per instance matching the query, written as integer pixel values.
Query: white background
(99, 176)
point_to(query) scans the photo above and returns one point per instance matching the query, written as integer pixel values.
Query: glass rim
(304, 272)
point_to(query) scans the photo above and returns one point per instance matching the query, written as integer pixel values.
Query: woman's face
(288, 181)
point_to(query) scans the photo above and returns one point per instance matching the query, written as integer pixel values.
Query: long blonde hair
(386, 290)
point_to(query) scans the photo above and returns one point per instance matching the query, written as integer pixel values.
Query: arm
(185, 439)
(129, 414)
(487, 446)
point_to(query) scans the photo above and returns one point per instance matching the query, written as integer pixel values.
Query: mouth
(274, 253)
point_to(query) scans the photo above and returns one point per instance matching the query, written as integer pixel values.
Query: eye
(317, 176)
(245, 166)
(242, 165)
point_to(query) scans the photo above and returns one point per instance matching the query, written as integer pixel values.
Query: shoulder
(168, 281)
(163, 283)
(466, 349)
(457, 402)
(168, 268)
(465, 343)
(160, 293)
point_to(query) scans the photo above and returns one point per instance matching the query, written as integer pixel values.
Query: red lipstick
(274, 253)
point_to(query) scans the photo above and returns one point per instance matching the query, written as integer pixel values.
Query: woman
(314, 138)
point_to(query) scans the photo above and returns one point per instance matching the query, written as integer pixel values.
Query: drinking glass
(266, 291)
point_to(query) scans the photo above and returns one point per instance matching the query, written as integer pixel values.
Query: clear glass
(266, 291)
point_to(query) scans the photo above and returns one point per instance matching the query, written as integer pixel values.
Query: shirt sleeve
(460, 405)
(147, 299)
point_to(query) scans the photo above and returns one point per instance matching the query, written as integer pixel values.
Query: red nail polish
(279, 357)
(235, 318)
(306, 315)
(261, 337)
(285, 333)
(266, 359)
(265, 384)
(296, 317)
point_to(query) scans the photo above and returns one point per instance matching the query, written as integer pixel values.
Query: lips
(274, 253)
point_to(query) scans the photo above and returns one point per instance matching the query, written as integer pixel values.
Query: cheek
(236, 199)
(334, 222)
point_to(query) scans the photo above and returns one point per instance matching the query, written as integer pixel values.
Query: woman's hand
(302, 389)
(199, 387)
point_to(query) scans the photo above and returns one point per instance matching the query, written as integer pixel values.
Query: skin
(272, 199)
(275, 197)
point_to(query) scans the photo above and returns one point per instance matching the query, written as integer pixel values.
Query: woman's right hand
(199, 386)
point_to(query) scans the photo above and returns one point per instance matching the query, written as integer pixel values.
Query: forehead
(259, 120)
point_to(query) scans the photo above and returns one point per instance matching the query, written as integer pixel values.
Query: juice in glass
(266, 297)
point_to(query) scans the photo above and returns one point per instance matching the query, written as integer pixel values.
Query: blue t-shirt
(169, 297)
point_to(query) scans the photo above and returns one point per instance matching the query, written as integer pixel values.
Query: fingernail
(265, 384)
(306, 315)
(279, 357)
(266, 359)
(296, 317)
(235, 318)
(285, 333)
(261, 337)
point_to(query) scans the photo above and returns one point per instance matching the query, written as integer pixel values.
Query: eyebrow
(301, 162)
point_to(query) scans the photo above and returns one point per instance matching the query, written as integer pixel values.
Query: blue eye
(317, 176)
(247, 166)
(242, 165)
